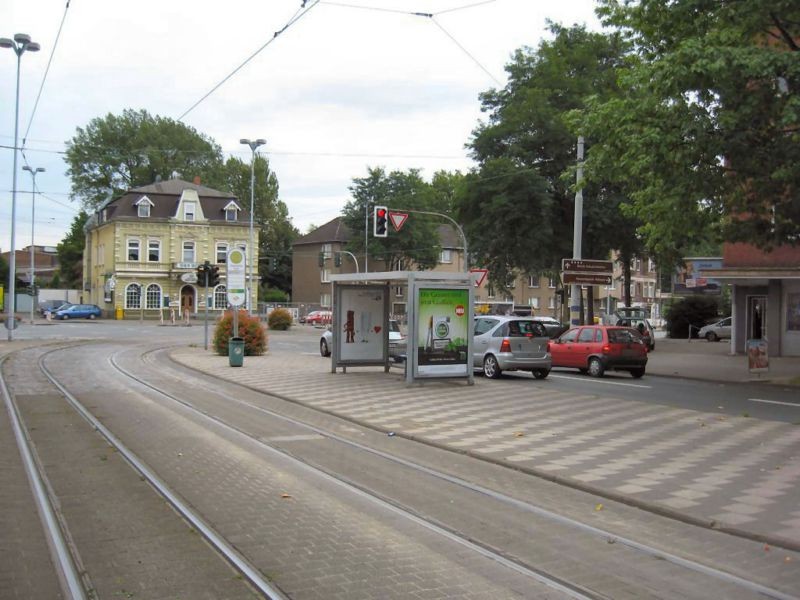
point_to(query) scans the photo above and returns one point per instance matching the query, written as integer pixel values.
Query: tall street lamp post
(20, 43)
(253, 250)
(33, 173)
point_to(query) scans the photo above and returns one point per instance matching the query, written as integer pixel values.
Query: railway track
(500, 541)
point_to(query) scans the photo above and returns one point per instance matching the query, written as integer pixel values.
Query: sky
(347, 86)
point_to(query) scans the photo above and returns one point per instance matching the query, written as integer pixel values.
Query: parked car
(510, 344)
(78, 311)
(396, 341)
(643, 326)
(717, 331)
(51, 306)
(599, 348)
(318, 317)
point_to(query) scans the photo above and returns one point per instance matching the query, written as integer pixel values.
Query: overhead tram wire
(301, 12)
(465, 51)
(44, 77)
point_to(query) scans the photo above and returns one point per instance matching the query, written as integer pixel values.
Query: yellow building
(143, 249)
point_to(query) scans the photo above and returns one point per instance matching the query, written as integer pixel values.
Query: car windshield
(526, 329)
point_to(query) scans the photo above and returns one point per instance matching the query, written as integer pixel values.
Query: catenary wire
(301, 12)
(465, 51)
(46, 71)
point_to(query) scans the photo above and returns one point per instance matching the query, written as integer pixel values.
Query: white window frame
(551, 303)
(152, 301)
(133, 300)
(133, 244)
(231, 212)
(533, 302)
(220, 297)
(325, 275)
(446, 256)
(325, 300)
(533, 281)
(221, 247)
(551, 283)
(151, 244)
(189, 211)
(188, 245)
(143, 207)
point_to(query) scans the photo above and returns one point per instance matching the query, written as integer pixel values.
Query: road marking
(635, 385)
(774, 402)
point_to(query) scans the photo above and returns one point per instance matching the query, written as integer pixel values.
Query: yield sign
(478, 276)
(397, 219)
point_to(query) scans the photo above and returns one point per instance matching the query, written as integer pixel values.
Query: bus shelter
(439, 309)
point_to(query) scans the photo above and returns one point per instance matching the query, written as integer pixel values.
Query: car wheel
(92, 317)
(712, 337)
(596, 368)
(65, 317)
(323, 348)
(490, 367)
(637, 373)
(540, 373)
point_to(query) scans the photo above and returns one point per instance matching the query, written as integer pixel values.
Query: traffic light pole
(437, 214)
(205, 301)
(575, 312)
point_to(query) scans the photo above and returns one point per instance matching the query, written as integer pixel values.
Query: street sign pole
(208, 272)
(575, 313)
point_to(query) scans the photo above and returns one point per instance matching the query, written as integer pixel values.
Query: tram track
(606, 536)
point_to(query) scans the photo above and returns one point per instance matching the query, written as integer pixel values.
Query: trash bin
(118, 313)
(236, 351)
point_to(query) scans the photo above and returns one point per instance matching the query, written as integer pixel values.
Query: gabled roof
(336, 231)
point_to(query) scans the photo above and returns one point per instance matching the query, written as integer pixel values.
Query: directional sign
(580, 265)
(478, 276)
(587, 278)
(397, 219)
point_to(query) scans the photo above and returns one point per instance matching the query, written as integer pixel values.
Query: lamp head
(261, 141)
(6, 43)
(244, 141)
(32, 47)
(22, 38)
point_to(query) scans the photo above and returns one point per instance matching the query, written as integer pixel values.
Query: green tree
(518, 206)
(272, 226)
(707, 135)
(70, 253)
(418, 240)
(117, 152)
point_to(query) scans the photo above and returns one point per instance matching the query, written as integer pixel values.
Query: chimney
(196, 180)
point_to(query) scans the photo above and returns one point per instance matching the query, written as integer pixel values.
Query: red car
(319, 317)
(598, 348)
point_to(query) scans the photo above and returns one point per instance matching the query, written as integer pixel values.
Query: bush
(280, 319)
(250, 328)
(692, 310)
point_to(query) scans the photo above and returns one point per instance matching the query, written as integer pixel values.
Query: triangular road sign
(397, 219)
(478, 276)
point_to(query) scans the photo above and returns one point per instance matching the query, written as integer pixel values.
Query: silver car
(396, 341)
(510, 344)
(717, 331)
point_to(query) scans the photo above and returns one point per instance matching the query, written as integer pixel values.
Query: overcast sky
(350, 84)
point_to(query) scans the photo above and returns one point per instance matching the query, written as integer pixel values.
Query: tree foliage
(518, 206)
(707, 134)
(418, 240)
(117, 152)
(70, 253)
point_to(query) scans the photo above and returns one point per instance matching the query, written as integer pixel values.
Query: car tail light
(505, 346)
(606, 349)
(548, 346)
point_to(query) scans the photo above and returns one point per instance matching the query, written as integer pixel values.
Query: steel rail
(522, 505)
(556, 583)
(69, 578)
(252, 574)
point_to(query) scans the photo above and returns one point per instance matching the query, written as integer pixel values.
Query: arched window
(153, 296)
(133, 295)
(220, 297)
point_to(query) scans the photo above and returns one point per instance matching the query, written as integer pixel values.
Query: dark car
(599, 348)
(78, 311)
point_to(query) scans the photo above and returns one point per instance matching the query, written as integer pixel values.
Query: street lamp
(33, 173)
(20, 43)
(253, 252)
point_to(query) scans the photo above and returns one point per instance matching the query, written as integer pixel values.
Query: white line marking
(774, 402)
(647, 387)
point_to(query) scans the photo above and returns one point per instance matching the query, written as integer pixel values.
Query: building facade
(143, 249)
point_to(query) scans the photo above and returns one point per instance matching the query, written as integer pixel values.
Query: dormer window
(231, 211)
(189, 211)
(143, 207)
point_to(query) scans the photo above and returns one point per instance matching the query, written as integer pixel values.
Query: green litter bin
(236, 351)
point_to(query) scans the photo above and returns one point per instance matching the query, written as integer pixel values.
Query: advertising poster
(442, 332)
(757, 357)
(235, 277)
(793, 312)
(360, 322)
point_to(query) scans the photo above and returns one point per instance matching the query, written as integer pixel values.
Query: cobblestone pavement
(738, 473)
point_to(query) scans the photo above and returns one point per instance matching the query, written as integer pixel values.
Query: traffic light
(202, 270)
(337, 259)
(273, 263)
(213, 276)
(380, 216)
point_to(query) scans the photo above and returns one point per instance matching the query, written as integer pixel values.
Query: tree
(518, 206)
(70, 253)
(116, 153)
(707, 135)
(273, 228)
(418, 240)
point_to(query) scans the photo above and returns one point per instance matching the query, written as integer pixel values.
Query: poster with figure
(442, 332)
(757, 357)
(793, 312)
(360, 316)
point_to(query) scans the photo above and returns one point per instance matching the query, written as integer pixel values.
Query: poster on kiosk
(442, 332)
(361, 321)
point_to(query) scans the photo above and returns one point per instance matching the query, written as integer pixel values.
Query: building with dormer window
(143, 249)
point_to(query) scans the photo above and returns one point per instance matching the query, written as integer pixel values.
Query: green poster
(442, 334)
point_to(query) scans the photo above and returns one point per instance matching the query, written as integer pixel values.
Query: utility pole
(575, 313)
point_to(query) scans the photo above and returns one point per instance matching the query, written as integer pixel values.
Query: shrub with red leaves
(250, 328)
